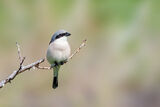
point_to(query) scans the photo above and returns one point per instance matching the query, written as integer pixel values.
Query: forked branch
(36, 64)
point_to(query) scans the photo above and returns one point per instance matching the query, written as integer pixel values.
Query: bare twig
(78, 49)
(19, 52)
(44, 68)
(32, 65)
(20, 70)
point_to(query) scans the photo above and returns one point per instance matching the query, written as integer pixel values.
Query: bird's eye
(60, 35)
(57, 36)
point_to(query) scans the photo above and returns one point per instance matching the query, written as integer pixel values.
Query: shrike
(58, 52)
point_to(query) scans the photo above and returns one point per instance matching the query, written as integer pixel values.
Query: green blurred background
(119, 67)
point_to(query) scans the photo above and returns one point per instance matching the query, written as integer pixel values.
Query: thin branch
(32, 65)
(20, 70)
(78, 49)
(44, 68)
(19, 52)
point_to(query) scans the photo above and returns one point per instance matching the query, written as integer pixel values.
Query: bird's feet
(63, 62)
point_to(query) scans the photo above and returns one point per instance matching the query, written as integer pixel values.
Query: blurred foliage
(119, 67)
(106, 11)
(61, 7)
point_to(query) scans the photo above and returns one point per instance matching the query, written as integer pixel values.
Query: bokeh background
(119, 67)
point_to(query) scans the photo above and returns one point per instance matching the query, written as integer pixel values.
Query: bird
(58, 52)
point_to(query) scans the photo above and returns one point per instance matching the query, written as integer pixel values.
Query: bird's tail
(55, 78)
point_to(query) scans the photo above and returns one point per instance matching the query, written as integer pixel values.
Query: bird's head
(60, 34)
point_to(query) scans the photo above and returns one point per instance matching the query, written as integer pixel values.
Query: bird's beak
(68, 34)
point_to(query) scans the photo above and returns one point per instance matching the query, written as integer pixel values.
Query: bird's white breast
(59, 50)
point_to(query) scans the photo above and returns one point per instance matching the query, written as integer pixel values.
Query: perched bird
(58, 52)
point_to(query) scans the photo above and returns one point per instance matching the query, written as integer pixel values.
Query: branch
(36, 64)
(19, 52)
(78, 49)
